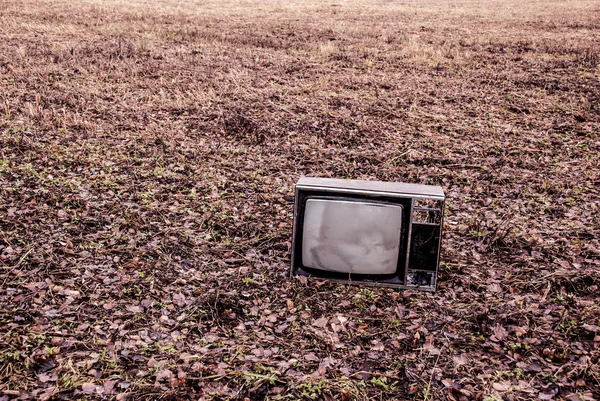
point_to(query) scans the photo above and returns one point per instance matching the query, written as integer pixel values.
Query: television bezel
(369, 191)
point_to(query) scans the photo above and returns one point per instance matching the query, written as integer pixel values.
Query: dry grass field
(148, 152)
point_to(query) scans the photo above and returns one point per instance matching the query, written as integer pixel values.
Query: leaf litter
(147, 164)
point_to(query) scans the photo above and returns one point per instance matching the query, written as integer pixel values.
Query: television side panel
(425, 243)
(295, 218)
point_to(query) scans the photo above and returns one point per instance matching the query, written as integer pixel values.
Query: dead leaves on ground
(146, 184)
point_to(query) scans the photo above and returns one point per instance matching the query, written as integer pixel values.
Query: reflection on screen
(351, 236)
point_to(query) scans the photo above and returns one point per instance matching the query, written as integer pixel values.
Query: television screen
(368, 232)
(351, 236)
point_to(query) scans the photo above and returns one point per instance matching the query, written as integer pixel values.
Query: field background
(148, 152)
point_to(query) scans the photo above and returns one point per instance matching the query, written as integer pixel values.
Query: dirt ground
(148, 153)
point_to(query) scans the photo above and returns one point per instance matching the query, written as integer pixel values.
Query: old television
(368, 232)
